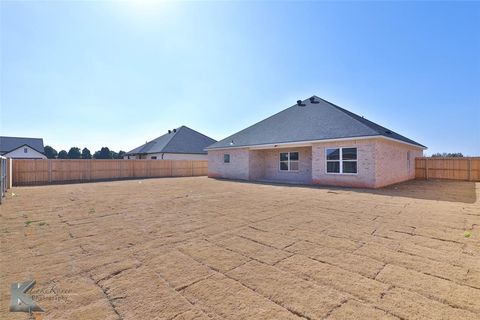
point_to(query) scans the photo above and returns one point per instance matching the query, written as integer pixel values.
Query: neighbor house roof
(315, 119)
(180, 140)
(8, 144)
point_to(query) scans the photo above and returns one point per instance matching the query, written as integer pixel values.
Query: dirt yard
(198, 248)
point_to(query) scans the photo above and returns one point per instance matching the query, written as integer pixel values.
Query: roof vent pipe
(169, 131)
(174, 130)
(299, 102)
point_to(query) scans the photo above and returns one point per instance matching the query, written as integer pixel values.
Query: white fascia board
(310, 142)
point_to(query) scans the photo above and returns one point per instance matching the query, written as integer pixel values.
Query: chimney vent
(169, 131)
(174, 130)
(299, 102)
(312, 100)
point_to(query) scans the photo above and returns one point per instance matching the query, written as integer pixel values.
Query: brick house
(316, 142)
(180, 143)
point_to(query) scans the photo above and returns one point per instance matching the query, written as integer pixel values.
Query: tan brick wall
(256, 165)
(392, 164)
(238, 168)
(380, 162)
(266, 165)
(365, 176)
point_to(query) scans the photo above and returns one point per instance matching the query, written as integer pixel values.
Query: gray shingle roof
(184, 140)
(320, 120)
(8, 144)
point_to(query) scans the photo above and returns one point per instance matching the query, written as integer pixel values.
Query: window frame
(340, 161)
(288, 161)
(25, 149)
(224, 158)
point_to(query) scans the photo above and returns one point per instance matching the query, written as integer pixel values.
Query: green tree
(74, 153)
(50, 153)
(86, 154)
(447, 155)
(121, 154)
(103, 153)
(62, 155)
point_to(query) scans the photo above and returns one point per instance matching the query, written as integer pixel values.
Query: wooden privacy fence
(448, 168)
(39, 171)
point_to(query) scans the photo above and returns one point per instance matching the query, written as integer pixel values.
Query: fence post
(3, 177)
(426, 168)
(469, 169)
(49, 170)
(88, 173)
(149, 168)
(9, 173)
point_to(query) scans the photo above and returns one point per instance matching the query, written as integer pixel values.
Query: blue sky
(119, 73)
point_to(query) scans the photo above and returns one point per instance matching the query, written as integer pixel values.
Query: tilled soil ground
(199, 248)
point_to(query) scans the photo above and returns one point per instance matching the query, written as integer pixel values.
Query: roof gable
(317, 120)
(184, 140)
(8, 144)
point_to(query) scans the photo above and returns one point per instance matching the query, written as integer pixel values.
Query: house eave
(310, 142)
(145, 153)
(23, 145)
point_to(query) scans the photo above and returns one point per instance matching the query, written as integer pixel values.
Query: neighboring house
(178, 144)
(316, 142)
(18, 148)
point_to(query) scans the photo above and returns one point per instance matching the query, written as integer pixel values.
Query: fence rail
(39, 171)
(448, 168)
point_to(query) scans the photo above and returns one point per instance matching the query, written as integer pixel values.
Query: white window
(226, 158)
(289, 161)
(341, 160)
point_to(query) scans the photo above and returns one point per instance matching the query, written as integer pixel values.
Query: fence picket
(466, 168)
(42, 171)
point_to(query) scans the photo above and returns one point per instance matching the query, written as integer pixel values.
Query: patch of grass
(42, 223)
(467, 234)
(28, 222)
(92, 210)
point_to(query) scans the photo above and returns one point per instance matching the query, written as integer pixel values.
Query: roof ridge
(180, 138)
(325, 121)
(142, 146)
(197, 132)
(23, 145)
(273, 115)
(385, 132)
(173, 137)
(352, 115)
(147, 144)
(20, 137)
